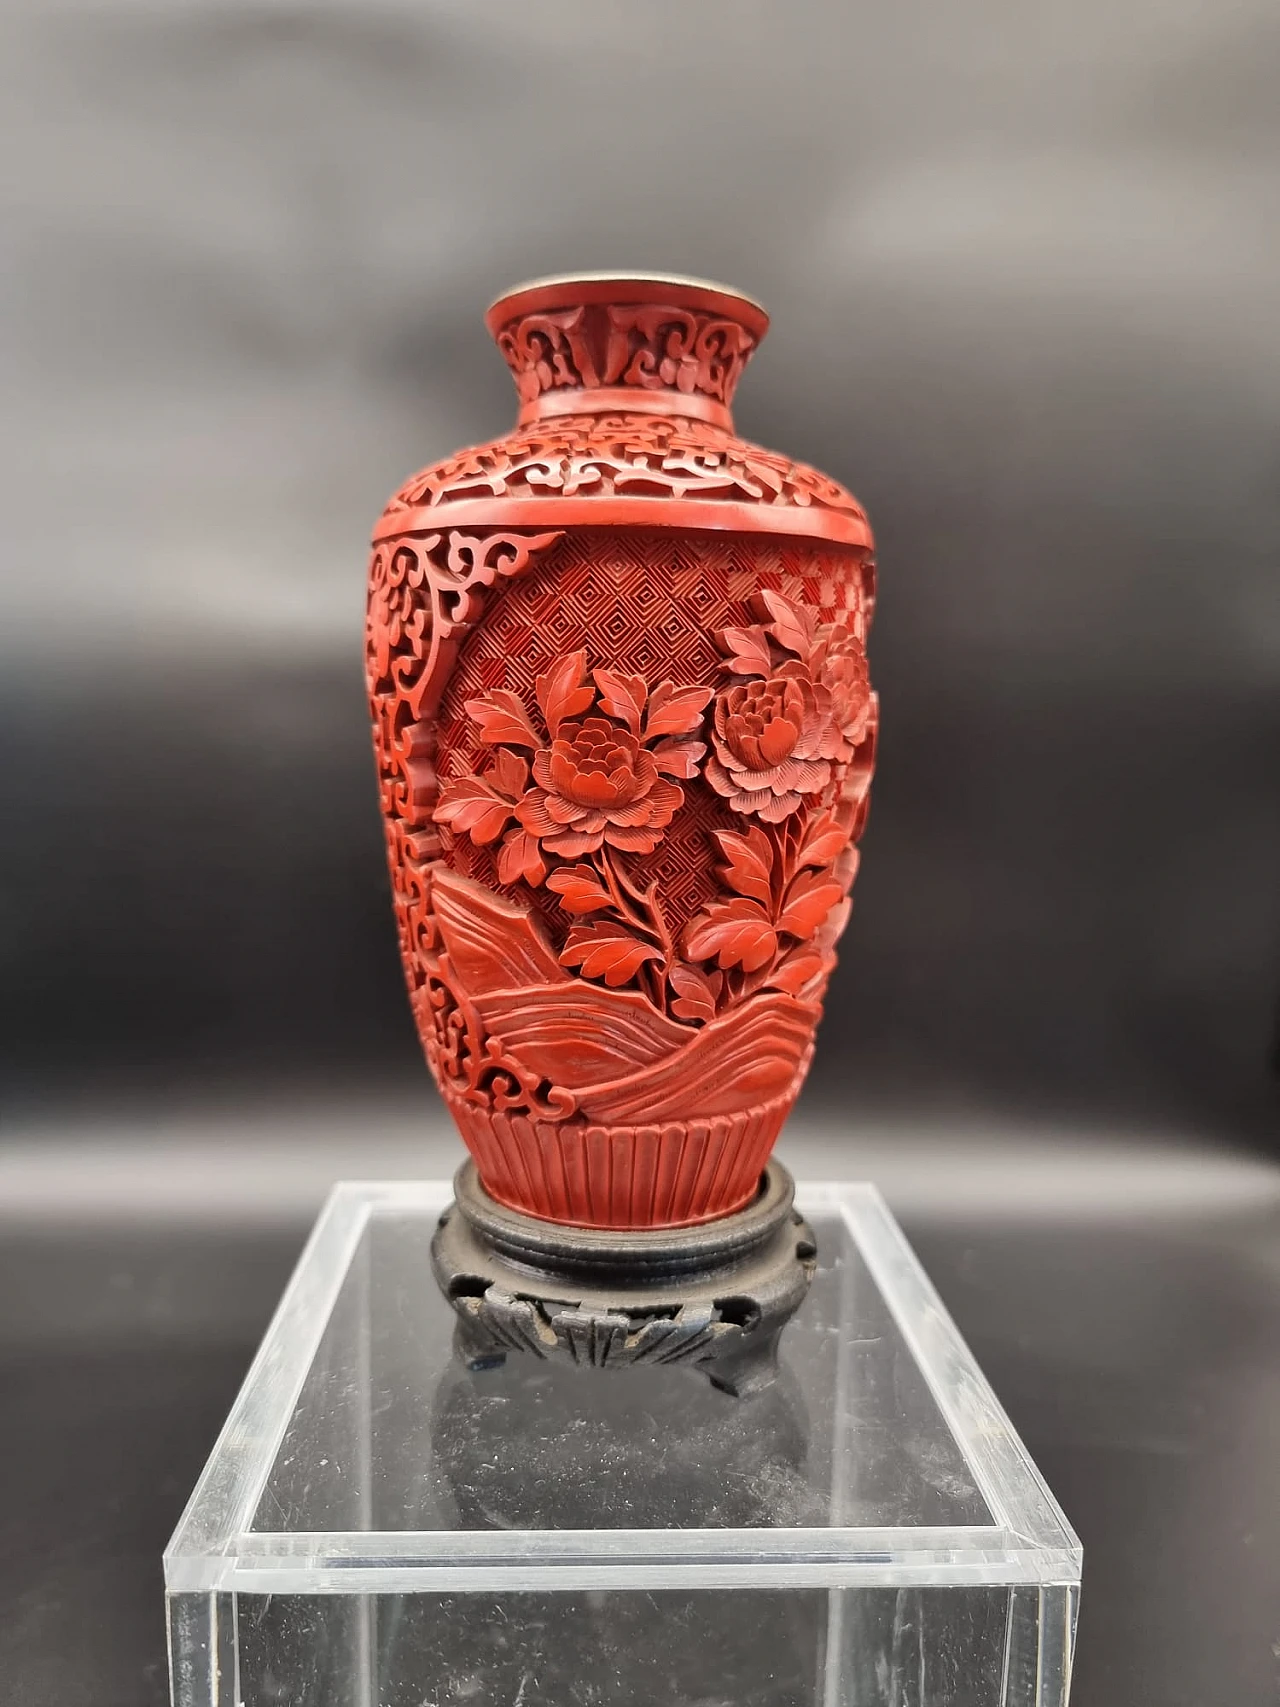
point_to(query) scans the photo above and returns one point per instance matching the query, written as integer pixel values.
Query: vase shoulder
(626, 468)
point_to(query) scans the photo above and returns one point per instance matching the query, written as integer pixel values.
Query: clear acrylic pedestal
(378, 1526)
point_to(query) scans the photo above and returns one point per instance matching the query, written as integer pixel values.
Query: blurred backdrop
(1023, 269)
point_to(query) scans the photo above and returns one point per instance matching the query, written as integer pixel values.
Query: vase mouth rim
(567, 290)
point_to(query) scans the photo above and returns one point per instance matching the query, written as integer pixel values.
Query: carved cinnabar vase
(624, 733)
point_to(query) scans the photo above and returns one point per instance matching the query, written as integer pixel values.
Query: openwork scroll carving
(425, 593)
(626, 456)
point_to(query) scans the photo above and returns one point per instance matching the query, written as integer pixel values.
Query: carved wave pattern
(646, 1121)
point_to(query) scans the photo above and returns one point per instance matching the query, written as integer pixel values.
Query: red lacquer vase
(624, 732)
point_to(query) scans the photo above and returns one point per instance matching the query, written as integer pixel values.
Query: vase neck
(649, 345)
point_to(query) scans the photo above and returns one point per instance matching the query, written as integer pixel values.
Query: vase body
(624, 732)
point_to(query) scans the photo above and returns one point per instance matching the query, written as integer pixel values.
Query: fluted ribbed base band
(674, 1174)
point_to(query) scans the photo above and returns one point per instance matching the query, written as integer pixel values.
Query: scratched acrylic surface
(866, 1531)
(391, 1433)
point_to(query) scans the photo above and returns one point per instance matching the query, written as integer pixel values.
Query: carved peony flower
(840, 666)
(771, 739)
(600, 773)
(596, 783)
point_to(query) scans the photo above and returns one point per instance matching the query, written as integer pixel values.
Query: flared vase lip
(570, 290)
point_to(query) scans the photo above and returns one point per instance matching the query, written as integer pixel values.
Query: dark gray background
(1024, 265)
(1023, 268)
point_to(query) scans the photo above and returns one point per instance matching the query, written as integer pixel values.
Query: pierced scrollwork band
(620, 456)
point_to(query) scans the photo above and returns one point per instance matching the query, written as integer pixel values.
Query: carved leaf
(795, 972)
(563, 691)
(793, 626)
(679, 758)
(510, 774)
(696, 992)
(606, 950)
(748, 650)
(469, 806)
(824, 842)
(735, 933)
(809, 899)
(832, 927)
(675, 711)
(579, 889)
(750, 862)
(521, 857)
(501, 717)
(622, 696)
(492, 943)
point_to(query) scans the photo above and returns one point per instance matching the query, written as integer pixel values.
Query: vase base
(716, 1295)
